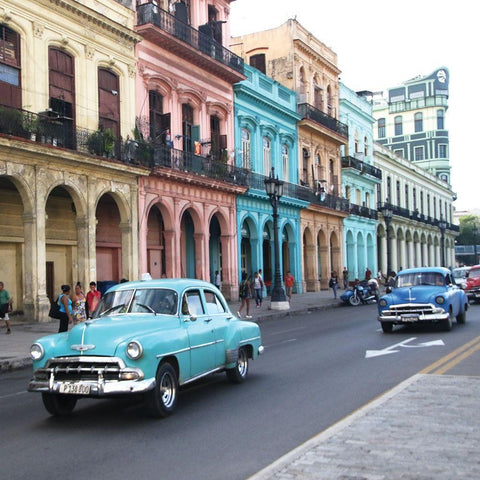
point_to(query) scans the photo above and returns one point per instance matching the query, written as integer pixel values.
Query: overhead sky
(381, 44)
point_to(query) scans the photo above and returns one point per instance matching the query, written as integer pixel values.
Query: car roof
(441, 270)
(171, 283)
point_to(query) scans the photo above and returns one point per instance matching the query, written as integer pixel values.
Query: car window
(421, 278)
(474, 273)
(192, 303)
(159, 300)
(213, 303)
(114, 303)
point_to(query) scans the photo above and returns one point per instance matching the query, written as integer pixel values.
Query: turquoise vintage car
(148, 338)
(423, 295)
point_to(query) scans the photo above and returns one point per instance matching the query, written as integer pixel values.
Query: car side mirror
(388, 289)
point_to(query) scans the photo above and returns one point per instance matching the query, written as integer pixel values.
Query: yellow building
(68, 198)
(295, 58)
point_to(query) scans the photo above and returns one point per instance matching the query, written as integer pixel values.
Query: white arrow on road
(391, 349)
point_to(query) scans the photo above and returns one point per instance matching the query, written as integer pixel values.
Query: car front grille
(416, 308)
(82, 368)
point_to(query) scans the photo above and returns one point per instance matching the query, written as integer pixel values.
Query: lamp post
(475, 233)
(274, 189)
(442, 225)
(387, 213)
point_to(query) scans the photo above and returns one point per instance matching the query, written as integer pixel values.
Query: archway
(156, 264)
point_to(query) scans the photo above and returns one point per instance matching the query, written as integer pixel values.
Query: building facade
(295, 58)
(266, 138)
(415, 215)
(185, 125)
(68, 197)
(359, 184)
(411, 121)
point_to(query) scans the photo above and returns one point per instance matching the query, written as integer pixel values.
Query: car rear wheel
(238, 374)
(59, 405)
(161, 401)
(354, 300)
(462, 316)
(387, 327)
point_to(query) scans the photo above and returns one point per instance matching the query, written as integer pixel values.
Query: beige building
(68, 198)
(295, 58)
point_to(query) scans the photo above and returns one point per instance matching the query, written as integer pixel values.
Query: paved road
(313, 375)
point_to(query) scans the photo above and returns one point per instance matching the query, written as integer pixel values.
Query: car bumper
(473, 295)
(405, 318)
(91, 388)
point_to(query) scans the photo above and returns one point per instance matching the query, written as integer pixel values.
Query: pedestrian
(5, 306)
(93, 297)
(345, 278)
(79, 311)
(368, 274)
(333, 283)
(289, 280)
(245, 295)
(391, 279)
(258, 289)
(264, 291)
(65, 303)
(218, 280)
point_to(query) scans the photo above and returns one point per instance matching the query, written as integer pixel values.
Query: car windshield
(460, 272)
(420, 278)
(474, 273)
(144, 300)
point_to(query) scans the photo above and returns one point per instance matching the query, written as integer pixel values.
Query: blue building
(266, 138)
(359, 184)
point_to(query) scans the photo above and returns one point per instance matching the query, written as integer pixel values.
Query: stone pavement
(426, 428)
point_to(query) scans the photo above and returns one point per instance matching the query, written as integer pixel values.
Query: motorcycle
(363, 292)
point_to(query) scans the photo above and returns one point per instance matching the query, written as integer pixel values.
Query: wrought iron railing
(150, 13)
(312, 113)
(361, 166)
(363, 211)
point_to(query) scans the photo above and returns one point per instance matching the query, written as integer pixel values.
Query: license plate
(410, 317)
(75, 388)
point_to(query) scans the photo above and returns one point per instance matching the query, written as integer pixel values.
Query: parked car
(148, 338)
(472, 288)
(460, 275)
(422, 295)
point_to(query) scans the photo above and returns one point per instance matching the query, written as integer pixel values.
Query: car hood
(101, 336)
(414, 295)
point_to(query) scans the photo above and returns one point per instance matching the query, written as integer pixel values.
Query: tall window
(317, 94)
(442, 151)
(428, 204)
(418, 153)
(258, 61)
(330, 109)
(10, 87)
(398, 193)
(398, 125)
(285, 162)
(246, 158)
(414, 198)
(267, 161)
(357, 143)
(407, 203)
(155, 104)
(108, 101)
(187, 127)
(389, 190)
(365, 146)
(381, 128)
(440, 119)
(418, 122)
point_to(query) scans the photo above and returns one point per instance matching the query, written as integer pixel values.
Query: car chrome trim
(173, 352)
(249, 340)
(197, 377)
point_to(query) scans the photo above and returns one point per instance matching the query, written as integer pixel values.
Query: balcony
(188, 44)
(363, 211)
(311, 113)
(362, 167)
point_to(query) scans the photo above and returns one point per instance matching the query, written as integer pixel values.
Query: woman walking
(79, 312)
(245, 295)
(65, 313)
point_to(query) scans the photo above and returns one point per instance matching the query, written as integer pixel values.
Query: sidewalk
(14, 348)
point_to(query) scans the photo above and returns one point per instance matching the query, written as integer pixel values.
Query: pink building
(185, 77)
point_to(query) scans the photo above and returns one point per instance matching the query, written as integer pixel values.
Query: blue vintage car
(146, 337)
(422, 295)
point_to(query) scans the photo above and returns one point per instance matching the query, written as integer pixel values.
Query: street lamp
(475, 233)
(442, 225)
(274, 189)
(387, 213)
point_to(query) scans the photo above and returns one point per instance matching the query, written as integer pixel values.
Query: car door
(199, 327)
(221, 318)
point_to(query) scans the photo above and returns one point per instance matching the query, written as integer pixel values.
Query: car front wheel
(462, 316)
(59, 405)
(447, 324)
(387, 327)
(238, 374)
(161, 401)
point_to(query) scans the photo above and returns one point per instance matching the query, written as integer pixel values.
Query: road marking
(391, 349)
(12, 395)
(454, 358)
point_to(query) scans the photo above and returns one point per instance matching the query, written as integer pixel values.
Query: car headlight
(134, 350)
(382, 302)
(36, 352)
(440, 300)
